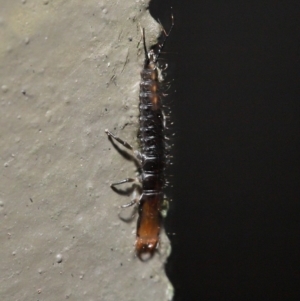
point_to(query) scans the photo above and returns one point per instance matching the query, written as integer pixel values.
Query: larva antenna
(161, 46)
(147, 59)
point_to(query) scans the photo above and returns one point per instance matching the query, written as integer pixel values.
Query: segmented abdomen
(151, 137)
(151, 132)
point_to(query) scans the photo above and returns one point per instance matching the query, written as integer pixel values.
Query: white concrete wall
(69, 70)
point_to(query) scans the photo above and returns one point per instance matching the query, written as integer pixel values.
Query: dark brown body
(151, 136)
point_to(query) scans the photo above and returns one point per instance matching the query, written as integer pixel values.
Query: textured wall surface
(69, 70)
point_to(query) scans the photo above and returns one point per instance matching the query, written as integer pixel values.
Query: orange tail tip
(146, 247)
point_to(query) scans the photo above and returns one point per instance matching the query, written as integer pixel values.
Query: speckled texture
(69, 70)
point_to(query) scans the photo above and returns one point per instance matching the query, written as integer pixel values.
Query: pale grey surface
(67, 72)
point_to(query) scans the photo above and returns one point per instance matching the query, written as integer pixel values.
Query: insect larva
(152, 154)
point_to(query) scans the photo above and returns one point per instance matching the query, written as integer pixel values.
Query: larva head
(152, 56)
(150, 60)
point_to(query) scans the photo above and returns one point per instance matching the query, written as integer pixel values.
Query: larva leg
(124, 143)
(136, 153)
(128, 180)
(129, 204)
(133, 202)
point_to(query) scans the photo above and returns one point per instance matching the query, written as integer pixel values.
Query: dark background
(235, 208)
